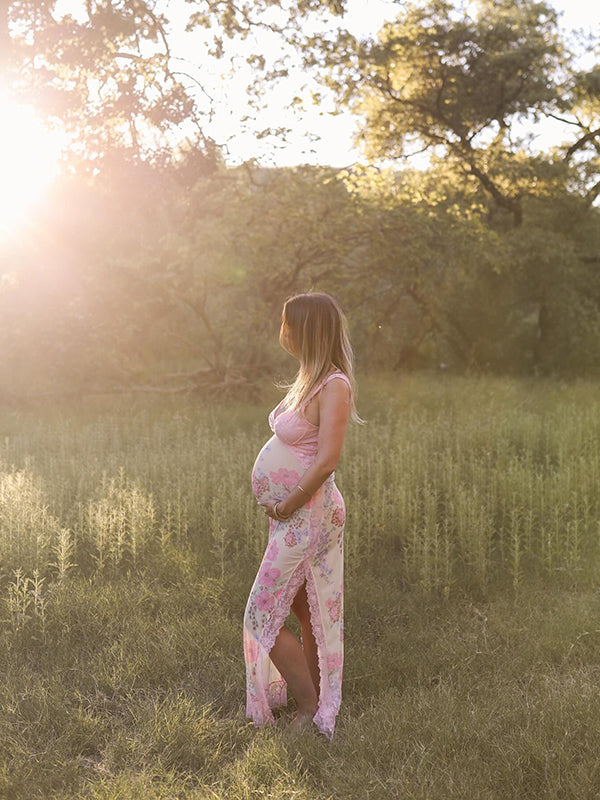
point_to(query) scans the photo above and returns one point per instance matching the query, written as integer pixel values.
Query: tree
(102, 71)
(579, 107)
(105, 69)
(455, 82)
(461, 82)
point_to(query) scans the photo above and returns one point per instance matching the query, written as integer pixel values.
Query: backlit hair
(319, 334)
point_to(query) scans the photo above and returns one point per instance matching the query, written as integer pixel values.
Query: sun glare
(28, 161)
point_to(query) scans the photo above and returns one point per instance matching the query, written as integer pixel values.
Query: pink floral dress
(308, 546)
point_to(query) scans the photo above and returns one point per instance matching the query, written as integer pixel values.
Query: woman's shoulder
(336, 381)
(337, 374)
(316, 390)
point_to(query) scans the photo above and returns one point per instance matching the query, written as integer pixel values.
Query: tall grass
(458, 483)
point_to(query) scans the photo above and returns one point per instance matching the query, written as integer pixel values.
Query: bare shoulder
(336, 390)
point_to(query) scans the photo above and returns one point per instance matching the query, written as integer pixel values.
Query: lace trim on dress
(326, 712)
(324, 719)
(276, 692)
(282, 609)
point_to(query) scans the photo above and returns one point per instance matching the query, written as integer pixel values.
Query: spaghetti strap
(341, 375)
(316, 389)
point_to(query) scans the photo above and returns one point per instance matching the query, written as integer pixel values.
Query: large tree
(467, 84)
(458, 81)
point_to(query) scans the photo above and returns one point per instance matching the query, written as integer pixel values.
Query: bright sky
(318, 136)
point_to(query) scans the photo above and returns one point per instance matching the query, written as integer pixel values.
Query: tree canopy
(164, 266)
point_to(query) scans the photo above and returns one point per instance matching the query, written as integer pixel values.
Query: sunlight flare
(29, 155)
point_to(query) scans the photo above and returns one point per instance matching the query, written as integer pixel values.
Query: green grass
(135, 687)
(129, 540)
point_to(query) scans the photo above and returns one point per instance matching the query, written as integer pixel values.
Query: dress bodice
(292, 427)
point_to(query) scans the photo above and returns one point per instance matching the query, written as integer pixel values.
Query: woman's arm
(334, 412)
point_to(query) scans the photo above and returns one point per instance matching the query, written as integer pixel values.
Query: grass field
(129, 540)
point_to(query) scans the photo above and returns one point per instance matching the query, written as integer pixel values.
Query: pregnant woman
(302, 568)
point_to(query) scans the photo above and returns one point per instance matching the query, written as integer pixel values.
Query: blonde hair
(318, 331)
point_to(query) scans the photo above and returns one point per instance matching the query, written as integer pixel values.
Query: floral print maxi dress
(308, 546)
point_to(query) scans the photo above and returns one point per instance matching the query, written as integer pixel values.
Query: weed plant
(129, 539)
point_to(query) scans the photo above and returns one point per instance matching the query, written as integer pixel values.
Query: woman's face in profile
(285, 340)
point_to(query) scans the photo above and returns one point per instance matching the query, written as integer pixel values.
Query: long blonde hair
(318, 331)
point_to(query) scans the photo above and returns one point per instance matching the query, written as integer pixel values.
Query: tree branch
(592, 194)
(509, 203)
(577, 124)
(581, 142)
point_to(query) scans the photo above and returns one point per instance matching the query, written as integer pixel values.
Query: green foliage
(187, 293)
(107, 70)
(29, 533)
(459, 81)
(178, 266)
(101, 70)
(174, 265)
(449, 74)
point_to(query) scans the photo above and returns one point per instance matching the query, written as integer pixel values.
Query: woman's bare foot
(302, 721)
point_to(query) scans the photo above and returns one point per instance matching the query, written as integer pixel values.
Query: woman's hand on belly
(269, 508)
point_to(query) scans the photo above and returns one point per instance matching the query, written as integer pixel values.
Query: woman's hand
(269, 507)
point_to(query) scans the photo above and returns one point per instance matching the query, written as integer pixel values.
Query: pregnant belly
(276, 470)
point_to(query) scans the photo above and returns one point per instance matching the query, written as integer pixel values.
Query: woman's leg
(288, 657)
(301, 610)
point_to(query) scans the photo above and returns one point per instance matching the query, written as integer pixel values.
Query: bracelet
(277, 515)
(302, 489)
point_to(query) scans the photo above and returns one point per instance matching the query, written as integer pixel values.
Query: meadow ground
(129, 540)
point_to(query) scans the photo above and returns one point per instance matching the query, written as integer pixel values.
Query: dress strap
(341, 375)
(321, 384)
